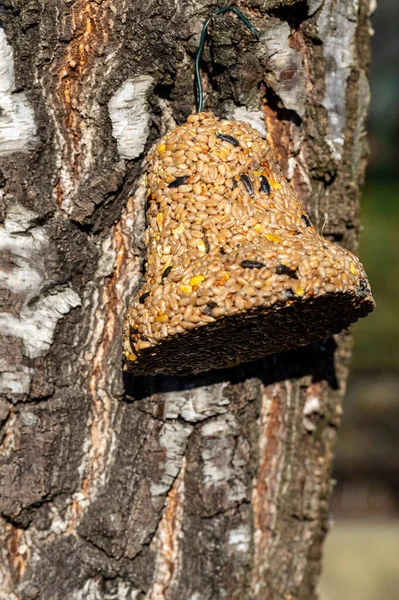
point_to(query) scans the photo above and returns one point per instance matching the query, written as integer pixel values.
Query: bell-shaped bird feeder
(235, 270)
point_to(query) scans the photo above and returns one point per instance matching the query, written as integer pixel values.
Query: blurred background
(361, 556)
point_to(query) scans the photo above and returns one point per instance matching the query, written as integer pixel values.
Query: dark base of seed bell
(247, 336)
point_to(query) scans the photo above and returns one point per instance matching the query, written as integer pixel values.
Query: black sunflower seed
(178, 181)
(208, 308)
(247, 183)
(284, 270)
(228, 138)
(306, 220)
(289, 294)
(362, 289)
(166, 272)
(143, 297)
(133, 331)
(252, 264)
(264, 185)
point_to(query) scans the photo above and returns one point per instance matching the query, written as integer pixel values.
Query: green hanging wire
(199, 94)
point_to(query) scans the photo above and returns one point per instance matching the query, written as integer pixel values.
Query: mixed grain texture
(117, 487)
(234, 268)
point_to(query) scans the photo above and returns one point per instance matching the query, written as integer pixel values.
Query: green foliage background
(377, 336)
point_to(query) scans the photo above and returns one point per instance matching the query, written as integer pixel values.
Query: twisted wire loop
(199, 94)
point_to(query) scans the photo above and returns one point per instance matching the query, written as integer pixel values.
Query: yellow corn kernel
(130, 356)
(258, 227)
(257, 173)
(201, 246)
(352, 269)
(160, 221)
(161, 148)
(162, 318)
(186, 289)
(299, 292)
(275, 184)
(197, 280)
(273, 238)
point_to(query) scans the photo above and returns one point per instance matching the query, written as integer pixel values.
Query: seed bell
(235, 270)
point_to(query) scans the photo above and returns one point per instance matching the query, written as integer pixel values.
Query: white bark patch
(255, 118)
(19, 218)
(240, 539)
(285, 63)
(314, 5)
(337, 27)
(173, 439)
(197, 404)
(288, 80)
(312, 405)
(130, 117)
(372, 8)
(223, 467)
(22, 270)
(14, 379)
(36, 326)
(22, 248)
(93, 589)
(17, 124)
(312, 408)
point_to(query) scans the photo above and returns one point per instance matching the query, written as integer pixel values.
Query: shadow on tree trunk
(316, 360)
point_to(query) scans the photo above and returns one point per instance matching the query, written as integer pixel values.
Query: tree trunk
(204, 487)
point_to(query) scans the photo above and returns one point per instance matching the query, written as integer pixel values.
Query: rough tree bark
(207, 487)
